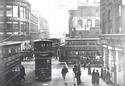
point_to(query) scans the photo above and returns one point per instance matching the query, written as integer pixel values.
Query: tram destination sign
(42, 55)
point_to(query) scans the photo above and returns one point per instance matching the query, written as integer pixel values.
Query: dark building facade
(112, 15)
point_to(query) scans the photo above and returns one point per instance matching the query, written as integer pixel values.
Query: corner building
(14, 17)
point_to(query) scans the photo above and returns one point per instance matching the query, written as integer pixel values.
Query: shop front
(113, 56)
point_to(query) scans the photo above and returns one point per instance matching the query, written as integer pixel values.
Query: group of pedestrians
(76, 71)
(95, 77)
(77, 74)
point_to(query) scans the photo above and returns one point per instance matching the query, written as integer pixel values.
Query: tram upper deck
(42, 45)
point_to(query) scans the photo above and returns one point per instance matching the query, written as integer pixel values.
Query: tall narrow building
(112, 15)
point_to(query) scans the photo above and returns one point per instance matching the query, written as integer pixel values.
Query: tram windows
(42, 45)
(92, 43)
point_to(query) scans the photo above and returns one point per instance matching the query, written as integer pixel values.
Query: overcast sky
(56, 13)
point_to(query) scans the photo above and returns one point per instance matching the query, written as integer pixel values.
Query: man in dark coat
(64, 71)
(77, 73)
(93, 76)
(78, 77)
(97, 77)
(75, 69)
(22, 72)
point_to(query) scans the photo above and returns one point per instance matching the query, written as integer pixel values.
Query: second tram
(83, 50)
(42, 51)
(10, 61)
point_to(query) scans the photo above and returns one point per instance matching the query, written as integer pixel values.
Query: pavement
(57, 77)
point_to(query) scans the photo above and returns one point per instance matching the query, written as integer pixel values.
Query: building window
(23, 28)
(120, 10)
(9, 11)
(1, 10)
(21, 12)
(9, 27)
(24, 15)
(27, 14)
(1, 26)
(120, 29)
(15, 11)
(15, 26)
(109, 15)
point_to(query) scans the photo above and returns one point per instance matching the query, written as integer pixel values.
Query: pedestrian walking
(93, 76)
(75, 69)
(22, 72)
(77, 72)
(97, 76)
(64, 71)
(89, 69)
(108, 76)
(102, 73)
(78, 77)
(84, 65)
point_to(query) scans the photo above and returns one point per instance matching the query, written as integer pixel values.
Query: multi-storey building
(17, 23)
(84, 28)
(16, 20)
(14, 17)
(112, 14)
(84, 23)
(34, 27)
(43, 26)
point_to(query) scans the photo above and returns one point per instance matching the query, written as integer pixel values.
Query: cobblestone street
(56, 76)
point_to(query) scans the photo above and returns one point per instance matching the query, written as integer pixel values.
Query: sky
(56, 13)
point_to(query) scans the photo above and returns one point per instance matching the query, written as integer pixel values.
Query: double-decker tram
(10, 61)
(42, 51)
(84, 50)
